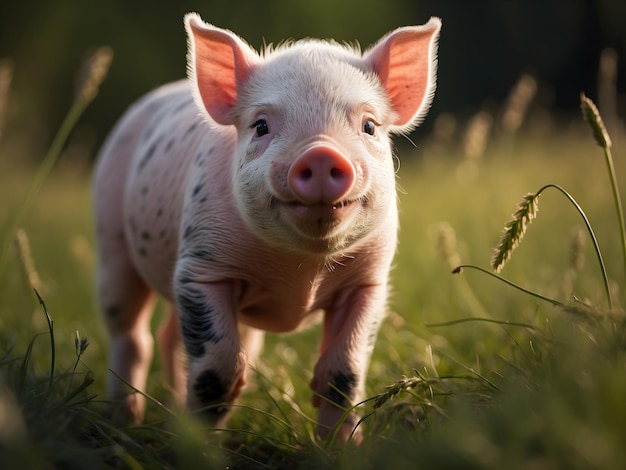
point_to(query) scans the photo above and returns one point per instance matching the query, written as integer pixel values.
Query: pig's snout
(321, 175)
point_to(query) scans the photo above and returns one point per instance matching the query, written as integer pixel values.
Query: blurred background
(505, 121)
(558, 47)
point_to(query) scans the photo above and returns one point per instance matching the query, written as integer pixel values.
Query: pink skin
(321, 175)
(255, 195)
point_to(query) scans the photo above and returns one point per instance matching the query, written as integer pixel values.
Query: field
(468, 372)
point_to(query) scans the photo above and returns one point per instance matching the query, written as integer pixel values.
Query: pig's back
(145, 172)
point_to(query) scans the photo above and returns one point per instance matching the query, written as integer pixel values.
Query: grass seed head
(80, 343)
(6, 74)
(514, 231)
(446, 244)
(592, 116)
(27, 261)
(92, 73)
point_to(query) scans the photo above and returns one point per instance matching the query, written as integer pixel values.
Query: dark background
(485, 45)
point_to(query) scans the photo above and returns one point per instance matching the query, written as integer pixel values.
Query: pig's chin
(321, 228)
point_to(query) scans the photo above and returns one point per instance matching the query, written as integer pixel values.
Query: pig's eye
(261, 127)
(369, 127)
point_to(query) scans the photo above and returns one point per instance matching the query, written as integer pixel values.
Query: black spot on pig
(209, 387)
(148, 154)
(189, 231)
(182, 106)
(197, 321)
(202, 254)
(190, 129)
(343, 385)
(211, 390)
(112, 311)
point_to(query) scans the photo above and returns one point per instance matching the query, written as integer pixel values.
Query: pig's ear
(218, 63)
(406, 62)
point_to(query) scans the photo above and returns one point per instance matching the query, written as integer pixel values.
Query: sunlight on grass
(467, 372)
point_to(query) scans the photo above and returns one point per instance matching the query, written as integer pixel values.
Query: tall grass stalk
(515, 229)
(90, 77)
(600, 134)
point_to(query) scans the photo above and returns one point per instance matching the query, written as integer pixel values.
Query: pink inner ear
(221, 61)
(405, 61)
(408, 79)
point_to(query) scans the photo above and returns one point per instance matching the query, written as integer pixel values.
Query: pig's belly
(277, 316)
(153, 245)
(152, 219)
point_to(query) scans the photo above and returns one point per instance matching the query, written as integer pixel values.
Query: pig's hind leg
(172, 355)
(127, 304)
(125, 300)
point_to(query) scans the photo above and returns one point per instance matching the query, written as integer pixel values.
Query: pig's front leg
(208, 322)
(349, 332)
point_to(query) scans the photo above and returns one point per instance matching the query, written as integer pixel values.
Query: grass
(468, 372)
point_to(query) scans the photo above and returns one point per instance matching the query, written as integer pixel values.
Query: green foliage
(468, 374)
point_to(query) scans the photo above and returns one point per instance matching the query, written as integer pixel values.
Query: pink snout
(321, 175)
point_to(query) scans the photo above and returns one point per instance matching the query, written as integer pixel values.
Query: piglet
(254, 196)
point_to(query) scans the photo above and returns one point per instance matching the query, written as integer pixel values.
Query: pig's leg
(251, 344)
(172, 355)
(349, 332)
(125, 299)
(127, 304)
(208, 316)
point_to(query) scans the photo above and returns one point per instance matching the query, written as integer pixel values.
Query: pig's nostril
(306, 174)
(336, 173)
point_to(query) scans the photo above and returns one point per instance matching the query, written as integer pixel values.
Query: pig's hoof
(211, 398)
(337, 424)
(125, 411)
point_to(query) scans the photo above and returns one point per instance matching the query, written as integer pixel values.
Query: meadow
(468, 371)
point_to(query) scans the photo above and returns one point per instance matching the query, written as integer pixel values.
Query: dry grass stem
(519, 100)
(477, 135)
(6, 73)
(27, 262)
(446, 244)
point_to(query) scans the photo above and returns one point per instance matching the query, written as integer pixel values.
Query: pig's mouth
(322, 212)
(322, 227)
(321, 216)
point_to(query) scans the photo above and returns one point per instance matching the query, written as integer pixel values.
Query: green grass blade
(554, 302)
(592, 235)
(52, 345)
(479, 319)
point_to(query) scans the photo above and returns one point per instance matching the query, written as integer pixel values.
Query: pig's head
(314, 168)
